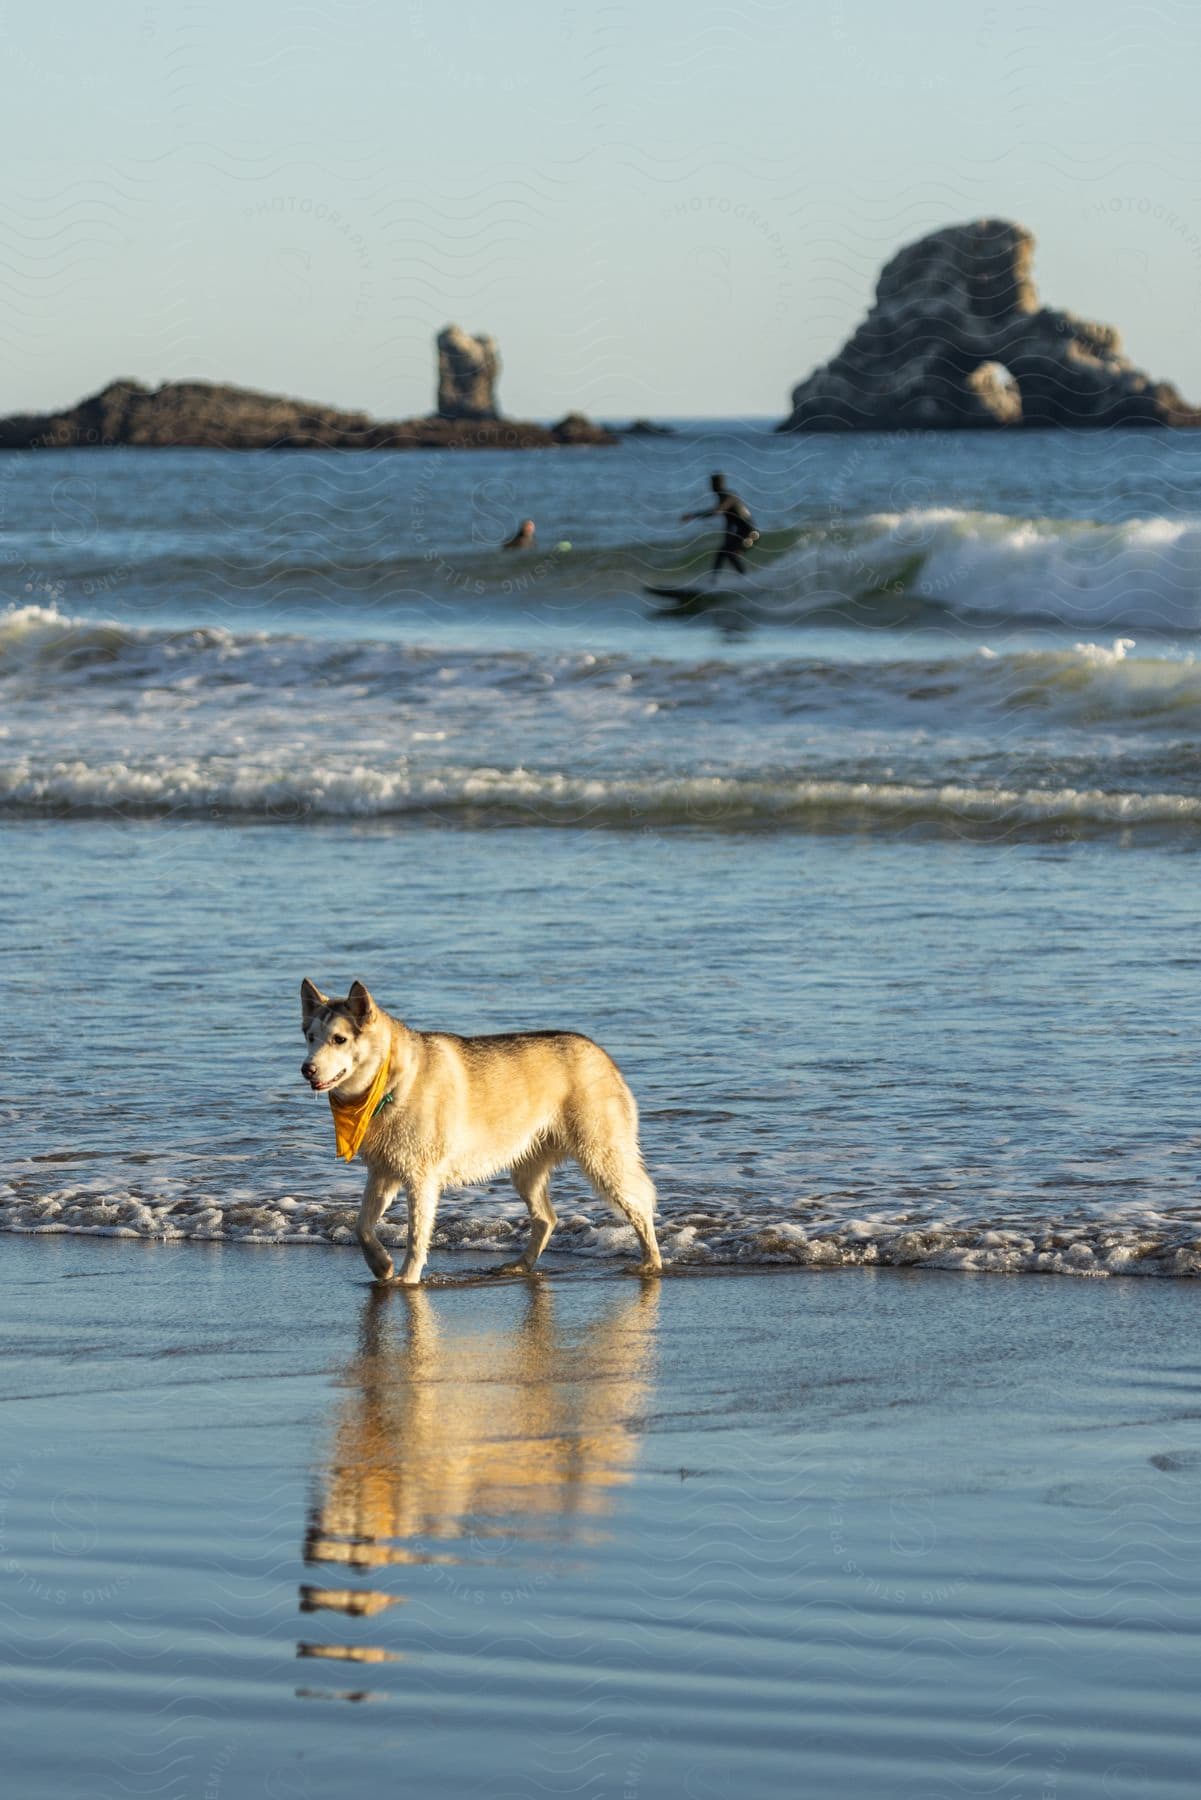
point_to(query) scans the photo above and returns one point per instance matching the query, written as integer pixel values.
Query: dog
(427, 1110)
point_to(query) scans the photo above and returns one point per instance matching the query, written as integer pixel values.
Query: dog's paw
(380, 1266)
(519, 1267)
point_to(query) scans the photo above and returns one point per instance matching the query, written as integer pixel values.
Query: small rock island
(206, 415)
(958, 338)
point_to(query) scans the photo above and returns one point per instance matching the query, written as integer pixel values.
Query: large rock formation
(957, 337)
(467, 371)
(211, 416)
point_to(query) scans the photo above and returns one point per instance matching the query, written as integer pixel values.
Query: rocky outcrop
(212, 416)
(198, 414)
(574, 428)
(467, 371)
(957, 337)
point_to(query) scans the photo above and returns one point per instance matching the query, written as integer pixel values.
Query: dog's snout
(308, 1070)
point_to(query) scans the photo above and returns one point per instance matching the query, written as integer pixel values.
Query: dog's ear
(310, 999)
(360, 1005)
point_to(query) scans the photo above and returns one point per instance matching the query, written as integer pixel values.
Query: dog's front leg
(378, 1196)
(423, 1204)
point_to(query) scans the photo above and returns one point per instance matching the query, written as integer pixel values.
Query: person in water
(522, 538)
(739, 526)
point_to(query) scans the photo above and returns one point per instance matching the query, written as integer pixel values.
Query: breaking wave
(41, 648)
(921, 563)
(692, 1238)
(116, 720)
(1142, 574)
(218, 787)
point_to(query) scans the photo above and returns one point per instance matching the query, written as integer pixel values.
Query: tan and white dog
(426, 1110)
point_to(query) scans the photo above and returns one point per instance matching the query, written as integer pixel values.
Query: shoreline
(821, 1254)
(592, 1535)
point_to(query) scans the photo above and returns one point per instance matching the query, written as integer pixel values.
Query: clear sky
(658, 208)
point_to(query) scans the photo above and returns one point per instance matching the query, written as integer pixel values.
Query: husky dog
(428, 1110)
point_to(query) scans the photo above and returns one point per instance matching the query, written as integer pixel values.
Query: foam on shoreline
(691, 1237)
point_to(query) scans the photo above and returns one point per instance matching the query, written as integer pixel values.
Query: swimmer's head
(717, 483)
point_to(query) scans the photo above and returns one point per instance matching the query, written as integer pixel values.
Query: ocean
(879, 880)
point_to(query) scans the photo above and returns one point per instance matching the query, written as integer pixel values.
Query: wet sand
(891, 1533)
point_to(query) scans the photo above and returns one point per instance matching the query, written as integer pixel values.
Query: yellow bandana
(352, 1117)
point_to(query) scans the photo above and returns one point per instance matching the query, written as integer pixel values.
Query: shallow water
(845, 1049)
(880, 883)
(264, 1531)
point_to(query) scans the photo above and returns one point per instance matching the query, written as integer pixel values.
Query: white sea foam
(107, 719)
(216, 669)
(1148, 1245)
(226, 787)
(1143, 573)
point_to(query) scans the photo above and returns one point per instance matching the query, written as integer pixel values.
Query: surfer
(739, 526)
(522, 538)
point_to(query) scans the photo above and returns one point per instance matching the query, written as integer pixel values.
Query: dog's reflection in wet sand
(452, 1438)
